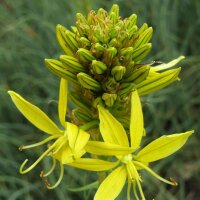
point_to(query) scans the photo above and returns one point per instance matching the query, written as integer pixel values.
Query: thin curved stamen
(174, 183)
(140, 189)
(135, 191)
(60, 178)
(37, 161)
(50, 171)
(39, 143)
(129, 190)
(59, 147)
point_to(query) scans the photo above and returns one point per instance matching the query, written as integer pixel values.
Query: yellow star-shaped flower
(68, 142)
(114, 134)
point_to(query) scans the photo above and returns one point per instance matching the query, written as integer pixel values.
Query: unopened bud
(88, 82)
(85, 55)
(84, 42)
(109, 99)
(72, 64)
(98, 67)
(127, 53)
(60, 70)
(114, 13)
(126, 89)
(97, 101)
(111, 52)
(118, 72)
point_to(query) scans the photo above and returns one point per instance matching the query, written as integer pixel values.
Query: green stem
(89, 125)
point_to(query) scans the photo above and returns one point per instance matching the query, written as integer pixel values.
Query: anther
(21, 148)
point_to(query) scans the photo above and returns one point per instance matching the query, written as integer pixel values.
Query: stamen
(135, 191)
(21, 148)
(39, 143)
(171, 182)
(140, 189)
(59, 147)
(42, 174)
(129, 190)
(60, 178)
(37, 161)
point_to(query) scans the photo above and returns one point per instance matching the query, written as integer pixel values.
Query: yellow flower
(113, 133)
(69, 141)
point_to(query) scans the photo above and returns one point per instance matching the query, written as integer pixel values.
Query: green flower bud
(126, 89)
(98, 67)
(144, 37)
(132, 31)
(60, 70)
(127, 53)
(88, 82)
(102, 13)
(141, 52)
(97, 101)
(114, 13)
(138, 73)
(111, 84)
(71, 41)
(113, 42)
(110, 53)
(81, 116)
(118, 72)
(130, 69)
(158, 81)
(84, 42)
(85, 55)
(72, 64)
(109, 99)
(131, 21)
(78, 101)
(63, 40)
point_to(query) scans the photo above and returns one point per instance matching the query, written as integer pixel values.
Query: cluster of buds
(103, 59)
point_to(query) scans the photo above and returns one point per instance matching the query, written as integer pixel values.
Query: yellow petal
(111, 187)
(168, 65)
(136, 121)
(93, 164)
(34, 114)
(158, 81)
(163, 147)
(77, 137)
(105, 148)
(111, 130)
(62, 103)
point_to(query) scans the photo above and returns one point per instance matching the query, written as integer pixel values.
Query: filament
(22, 171)
(172, 182)
(50, 171)
(60, 178)
(129, 190)
(140, 189)
(135, 191)
(38, 143)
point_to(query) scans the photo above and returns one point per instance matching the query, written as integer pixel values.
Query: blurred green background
(27, 36)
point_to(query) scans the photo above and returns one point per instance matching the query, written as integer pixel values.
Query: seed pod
(88, 82)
